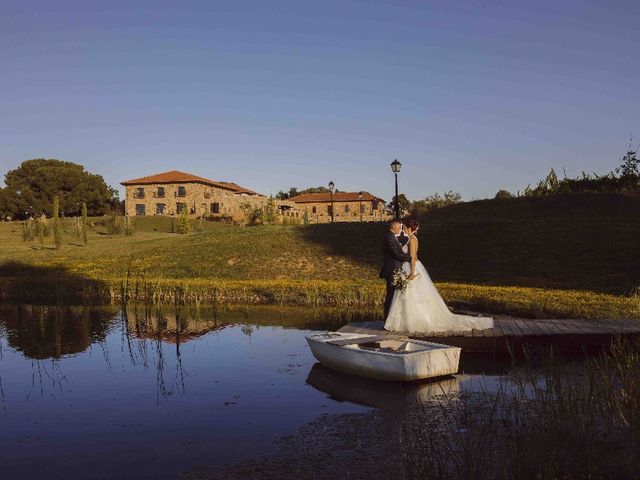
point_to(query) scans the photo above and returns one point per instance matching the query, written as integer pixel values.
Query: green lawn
(579, 244)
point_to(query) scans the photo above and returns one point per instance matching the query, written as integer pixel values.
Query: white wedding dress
(421, 309)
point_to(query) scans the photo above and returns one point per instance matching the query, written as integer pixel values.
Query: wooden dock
(513, 334)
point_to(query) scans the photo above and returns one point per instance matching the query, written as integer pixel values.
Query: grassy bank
(558, 256)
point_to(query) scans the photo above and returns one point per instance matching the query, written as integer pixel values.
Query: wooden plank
(530, 327)
(517, 328)
(511, 328)
(560, 327)
(535, 327)
(548, 327)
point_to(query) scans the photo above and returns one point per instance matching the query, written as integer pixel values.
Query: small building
(171, 193)
(347, 207)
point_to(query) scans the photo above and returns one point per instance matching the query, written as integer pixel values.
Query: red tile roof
(337, 197)
(174, 176)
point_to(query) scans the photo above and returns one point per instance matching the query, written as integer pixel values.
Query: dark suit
(393, 258)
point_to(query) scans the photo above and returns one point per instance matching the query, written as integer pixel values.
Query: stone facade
(197, 199)
(348, 207)
(170, 192)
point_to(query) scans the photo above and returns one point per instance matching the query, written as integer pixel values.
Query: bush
(184, 225)
(504, 194)
(432, 202)
(57, 224)
(28, 230)
(113, 222)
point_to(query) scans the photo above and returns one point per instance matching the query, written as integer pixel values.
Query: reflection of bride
(420, 308)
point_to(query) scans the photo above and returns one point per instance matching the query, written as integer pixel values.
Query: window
(346, 209)
(329, 210)
(215, 208)
(160, 192)
(314, 210)
(139, 193)
(182, 192)
(374, 205)
(160, 208)
(363, 208)
(181, 207)
(139, 209)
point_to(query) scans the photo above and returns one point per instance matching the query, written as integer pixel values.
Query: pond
(150, 392)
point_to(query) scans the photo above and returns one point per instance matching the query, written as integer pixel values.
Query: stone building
(347, 207)
(170, 193)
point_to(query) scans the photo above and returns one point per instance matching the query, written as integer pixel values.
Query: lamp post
(331, 185)
(360, 195)
(395, 168)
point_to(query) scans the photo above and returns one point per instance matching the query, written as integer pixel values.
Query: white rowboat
(384, 357)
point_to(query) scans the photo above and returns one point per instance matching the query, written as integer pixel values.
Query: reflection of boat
(377, 394)
(384, 357)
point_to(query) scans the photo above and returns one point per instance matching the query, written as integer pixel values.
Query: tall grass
(567, 421)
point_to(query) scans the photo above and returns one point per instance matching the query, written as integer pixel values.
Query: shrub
(129, 225)
(504, 194)
(42, 229)
(113, 222)
(57, 224)
(184, 225)
(84, 223)
(28, 230)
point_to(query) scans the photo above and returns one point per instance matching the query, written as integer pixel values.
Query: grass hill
(577, 242)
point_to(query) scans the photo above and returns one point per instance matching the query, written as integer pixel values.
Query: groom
(393, 258)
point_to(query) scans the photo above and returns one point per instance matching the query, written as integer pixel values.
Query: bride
(420, 308)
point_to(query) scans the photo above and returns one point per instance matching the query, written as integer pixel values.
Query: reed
(567, 421)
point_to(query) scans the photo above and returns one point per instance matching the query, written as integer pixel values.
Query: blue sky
(469, 96)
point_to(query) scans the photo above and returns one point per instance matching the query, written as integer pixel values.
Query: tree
(31, 187)
(269, 212)
(404, 205)
(421, 207)
(630, 165)
(4, 209)
(504, 194)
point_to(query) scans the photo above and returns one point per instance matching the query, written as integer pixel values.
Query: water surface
(152, 392)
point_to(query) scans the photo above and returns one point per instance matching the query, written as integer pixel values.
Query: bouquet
(400, 279)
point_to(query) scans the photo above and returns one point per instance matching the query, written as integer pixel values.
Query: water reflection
(381, 395)
(42, 332)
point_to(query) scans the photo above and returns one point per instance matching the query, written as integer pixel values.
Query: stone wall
(197, 198)
(200, 200)
(319, 212)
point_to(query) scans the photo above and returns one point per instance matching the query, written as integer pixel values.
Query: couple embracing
(416, 306)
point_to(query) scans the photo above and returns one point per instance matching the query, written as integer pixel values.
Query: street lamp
(360, 195)
(331, 185)
(395, 168)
